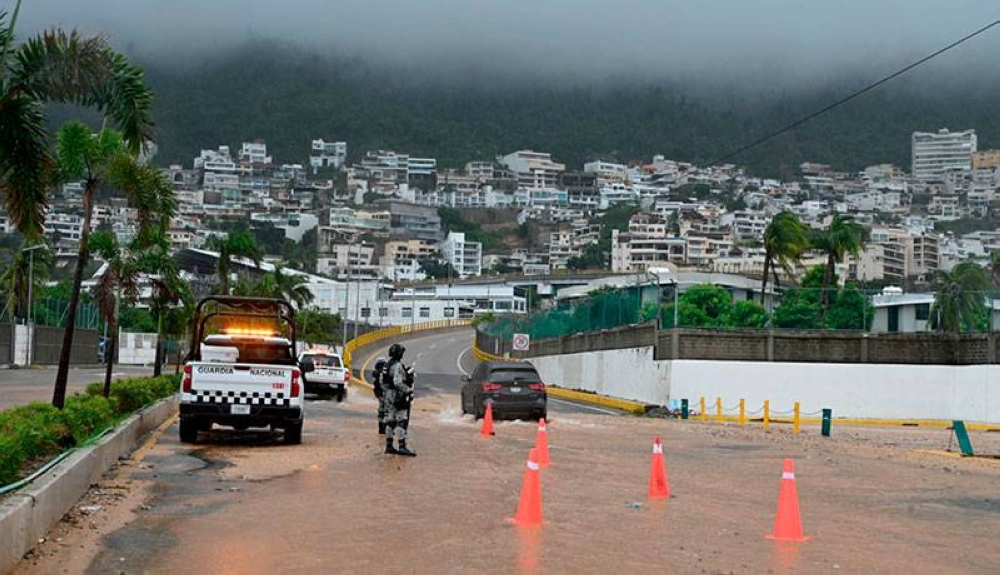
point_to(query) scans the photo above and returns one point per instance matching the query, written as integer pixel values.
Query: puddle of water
(453, 416)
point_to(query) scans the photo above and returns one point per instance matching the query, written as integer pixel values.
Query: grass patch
(38, 431)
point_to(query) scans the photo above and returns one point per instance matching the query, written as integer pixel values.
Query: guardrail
(388, 332)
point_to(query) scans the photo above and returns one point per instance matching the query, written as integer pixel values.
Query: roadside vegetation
(32, 434)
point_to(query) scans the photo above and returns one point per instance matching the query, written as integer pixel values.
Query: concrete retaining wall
(27, 515)
(878, 391)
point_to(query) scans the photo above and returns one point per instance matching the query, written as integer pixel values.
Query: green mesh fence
(601, 310)
(52, 312)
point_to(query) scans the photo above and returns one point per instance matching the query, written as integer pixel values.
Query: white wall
(624, 373)
(887, 391)
(137, 348)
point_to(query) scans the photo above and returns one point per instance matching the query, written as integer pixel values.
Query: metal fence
(849, 308)
(52, 312)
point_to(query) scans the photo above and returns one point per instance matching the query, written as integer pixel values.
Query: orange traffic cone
(542, 444)
(529, 508)
(487, 429)
(659, 488)
(788, 523)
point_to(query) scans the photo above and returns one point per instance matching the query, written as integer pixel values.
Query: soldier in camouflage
(397, 392)
(377, 385)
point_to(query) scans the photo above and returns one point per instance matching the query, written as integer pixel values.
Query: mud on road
(247, 504)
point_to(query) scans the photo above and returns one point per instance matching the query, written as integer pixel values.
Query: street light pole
(31, 285)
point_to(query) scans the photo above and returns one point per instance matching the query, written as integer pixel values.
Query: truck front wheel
(293, 433)
(189, 431)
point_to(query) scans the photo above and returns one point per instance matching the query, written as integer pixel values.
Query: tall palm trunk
(763, 283)
(157, 364)
(110, 350)
(831, 264)
(59, 392)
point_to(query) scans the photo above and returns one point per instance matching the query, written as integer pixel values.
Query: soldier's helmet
(379, 364)
(396, 351)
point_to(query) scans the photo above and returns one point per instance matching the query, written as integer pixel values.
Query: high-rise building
(465, 257)
(935, 154)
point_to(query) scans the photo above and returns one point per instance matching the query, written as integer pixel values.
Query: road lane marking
(458, 362)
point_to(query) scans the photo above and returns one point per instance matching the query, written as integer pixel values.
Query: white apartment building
(348, 261)
(295, 225)
(534, 170)
(648, 243)
(935, 154)
(255, 153)
(221, 181)
(750, 225)
(465, 257)
(606, 172)
(215, 160)
(327, 154)
(421, 166)
(906, 254)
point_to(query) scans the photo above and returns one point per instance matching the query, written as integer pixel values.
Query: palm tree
(236, 245)
(785, 239)
(843, 236)
(117, 286)
(169, 288)
(60, 67)
(292, 287)
(16, 278)
(100, 159)
(961, 297)
(995, 268)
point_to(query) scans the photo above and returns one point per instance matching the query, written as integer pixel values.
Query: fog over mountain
(468, 79)
(758, 43)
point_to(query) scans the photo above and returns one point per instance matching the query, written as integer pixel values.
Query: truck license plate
(239, 409)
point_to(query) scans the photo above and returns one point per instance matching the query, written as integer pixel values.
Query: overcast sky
(587, 38)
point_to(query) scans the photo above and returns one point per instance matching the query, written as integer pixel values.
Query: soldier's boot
(389, 449)
(381, 428)
(404, 451)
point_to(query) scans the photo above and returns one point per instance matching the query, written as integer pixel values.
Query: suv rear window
(510, 374)
(323, 360)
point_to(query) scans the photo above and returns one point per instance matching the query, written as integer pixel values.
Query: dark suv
(514, 388)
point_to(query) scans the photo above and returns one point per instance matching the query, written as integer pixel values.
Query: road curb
(597, 400)
(28, 514)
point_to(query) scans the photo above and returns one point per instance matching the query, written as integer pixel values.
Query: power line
(846, 99)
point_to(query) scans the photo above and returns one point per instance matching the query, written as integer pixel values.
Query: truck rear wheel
(189, 431)
(293, 434)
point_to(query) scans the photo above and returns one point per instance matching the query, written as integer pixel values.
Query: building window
(425, 312)
(407, 312)
(383, 311)
(366, 312)
(502, 305)
(923, 311)
(449, 312)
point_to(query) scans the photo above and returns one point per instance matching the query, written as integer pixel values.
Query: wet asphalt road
(246, 504)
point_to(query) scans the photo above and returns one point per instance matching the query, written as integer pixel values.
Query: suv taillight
(491, 386)
(295, 382)
(186, 382)
(537, 386)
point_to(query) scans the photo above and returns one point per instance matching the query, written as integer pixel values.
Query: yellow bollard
(767, 414)
(796, 421)
(701, 409)
(718, 409)
(743, 412)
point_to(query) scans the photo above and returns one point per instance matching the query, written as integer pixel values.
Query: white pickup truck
(242, 377)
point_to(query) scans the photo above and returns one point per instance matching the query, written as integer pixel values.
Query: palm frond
(105, 292)
(67, 67)
(25, 164)
(7, 34)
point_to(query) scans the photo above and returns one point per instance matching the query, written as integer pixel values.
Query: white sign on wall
(521, 342)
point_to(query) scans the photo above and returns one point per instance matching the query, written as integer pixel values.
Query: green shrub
(38, 430)
(86, 415)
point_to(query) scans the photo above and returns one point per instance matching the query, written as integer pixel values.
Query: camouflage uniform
(396, 396)
(379, 393)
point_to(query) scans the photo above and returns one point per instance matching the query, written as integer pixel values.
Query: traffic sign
(521, 342)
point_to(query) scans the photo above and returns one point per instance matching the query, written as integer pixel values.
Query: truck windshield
(323, 360)
(258, 352)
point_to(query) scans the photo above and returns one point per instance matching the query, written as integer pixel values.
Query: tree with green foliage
(961, 298)
(437, 269)
(843, 236)
(590, 258)
(316, 326)
(116, 287)
(785, 238)
(281, 285)
(103, 159)
(60, 67)
(747, 314)
(26, 271)
(235, 245)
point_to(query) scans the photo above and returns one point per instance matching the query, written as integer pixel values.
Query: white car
(330, 377)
